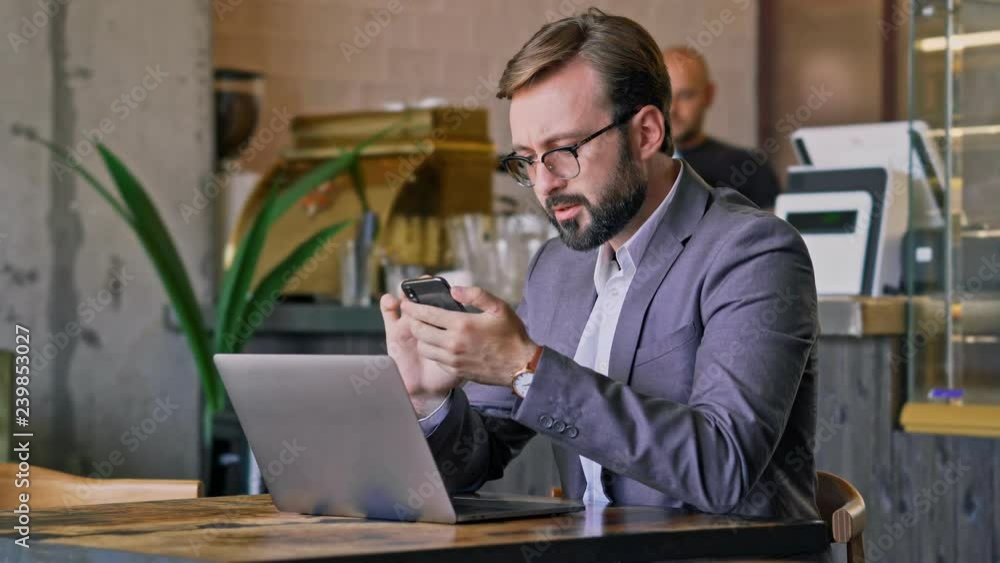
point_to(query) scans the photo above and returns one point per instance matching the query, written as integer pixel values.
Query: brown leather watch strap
(533, 362)
(530, 367)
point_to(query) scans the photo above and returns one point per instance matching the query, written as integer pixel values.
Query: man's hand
(486, 347)
(426, 383)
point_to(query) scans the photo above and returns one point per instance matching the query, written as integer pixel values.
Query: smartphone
(433, 291)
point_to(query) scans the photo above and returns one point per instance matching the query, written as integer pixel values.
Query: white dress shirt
(594, 350)
(612, 283)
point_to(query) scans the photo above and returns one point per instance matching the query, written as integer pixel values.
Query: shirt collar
(630, 253)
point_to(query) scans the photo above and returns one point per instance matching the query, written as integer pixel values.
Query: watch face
(522, 383)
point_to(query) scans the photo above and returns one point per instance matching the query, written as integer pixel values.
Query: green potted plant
(236, 297)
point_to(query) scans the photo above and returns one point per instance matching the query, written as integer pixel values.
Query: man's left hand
(487, 347)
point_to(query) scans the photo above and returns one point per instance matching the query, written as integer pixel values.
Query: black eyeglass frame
(572, 149)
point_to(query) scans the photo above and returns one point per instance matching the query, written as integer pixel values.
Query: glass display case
(952, 347)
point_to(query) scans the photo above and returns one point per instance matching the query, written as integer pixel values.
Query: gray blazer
(710, 402)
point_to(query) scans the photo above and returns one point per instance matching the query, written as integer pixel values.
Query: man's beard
(621, 200)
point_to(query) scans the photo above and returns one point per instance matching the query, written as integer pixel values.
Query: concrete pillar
(137, 76)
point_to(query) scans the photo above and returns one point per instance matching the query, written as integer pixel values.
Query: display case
(952, 346)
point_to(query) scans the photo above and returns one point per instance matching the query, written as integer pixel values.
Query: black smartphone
(433, 291)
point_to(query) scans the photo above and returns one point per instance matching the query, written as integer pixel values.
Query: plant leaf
(323, 172)
(104, 192)
(359, 185)
(268, 291)
(235, 295)
(236, 280)
(160, 247)
(205, 367)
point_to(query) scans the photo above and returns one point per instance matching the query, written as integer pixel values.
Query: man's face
(561, 110)
(691, 94)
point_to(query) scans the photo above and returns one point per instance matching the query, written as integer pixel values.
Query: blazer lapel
(575, 301)
(577, 296)
(679, 221)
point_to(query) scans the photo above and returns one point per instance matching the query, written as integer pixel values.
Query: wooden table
(249, 528)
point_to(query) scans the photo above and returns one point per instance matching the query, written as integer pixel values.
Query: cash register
(850, 200)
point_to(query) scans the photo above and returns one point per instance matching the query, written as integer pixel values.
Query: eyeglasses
(562, 162)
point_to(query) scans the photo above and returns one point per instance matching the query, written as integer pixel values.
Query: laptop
(338, 436)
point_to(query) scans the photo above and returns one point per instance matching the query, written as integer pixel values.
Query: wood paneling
(974, 516)
(929, 498)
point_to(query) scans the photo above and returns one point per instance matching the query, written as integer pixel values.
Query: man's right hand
(427, 384)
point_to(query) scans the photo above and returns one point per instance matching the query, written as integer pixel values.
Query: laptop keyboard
(467, 505)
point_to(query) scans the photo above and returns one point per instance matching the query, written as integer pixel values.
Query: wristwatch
(522, 378)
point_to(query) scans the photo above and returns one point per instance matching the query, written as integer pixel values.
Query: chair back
(843, 509)
(50, 488)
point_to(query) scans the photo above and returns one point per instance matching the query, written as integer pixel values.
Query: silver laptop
(337, 436)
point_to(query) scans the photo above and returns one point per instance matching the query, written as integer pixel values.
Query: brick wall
(442, 48)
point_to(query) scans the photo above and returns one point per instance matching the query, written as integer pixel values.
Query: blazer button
(572, 432)
(560, 426)
(545, 421)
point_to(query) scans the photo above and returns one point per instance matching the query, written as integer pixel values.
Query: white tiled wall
(442, 48)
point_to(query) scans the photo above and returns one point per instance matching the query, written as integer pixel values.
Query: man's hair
(624, 55)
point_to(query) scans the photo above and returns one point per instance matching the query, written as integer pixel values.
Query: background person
(718, 163)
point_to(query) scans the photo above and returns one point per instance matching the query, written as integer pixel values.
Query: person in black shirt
(718, 163)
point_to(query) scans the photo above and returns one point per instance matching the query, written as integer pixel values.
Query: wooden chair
(843, 510)
(50, 488)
